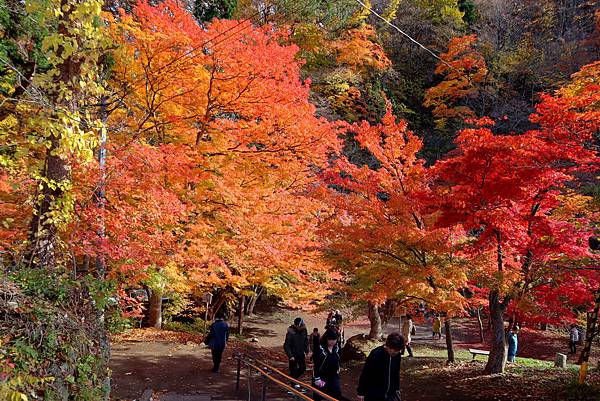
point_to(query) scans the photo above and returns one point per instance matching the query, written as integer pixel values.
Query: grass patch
(461, 354)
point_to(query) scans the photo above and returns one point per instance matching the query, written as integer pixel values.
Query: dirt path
(167, 364)
(175, 363)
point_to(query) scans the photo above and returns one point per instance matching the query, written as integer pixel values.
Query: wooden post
(264, 389)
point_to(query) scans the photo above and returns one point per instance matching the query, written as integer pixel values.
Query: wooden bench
(476, 352)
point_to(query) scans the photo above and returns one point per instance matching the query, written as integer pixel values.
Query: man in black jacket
(380, 377)
(217, 339)
(296, 347)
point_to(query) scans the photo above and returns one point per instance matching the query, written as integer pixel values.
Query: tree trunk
(591, 332)
(449, 345)
(241, 314)
(499, 352)
(155, 309)
(43, 230)
(252, 303)
(481, 337)
(375, 320)
(217, 303)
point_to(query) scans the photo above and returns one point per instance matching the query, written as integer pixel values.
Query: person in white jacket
(573, 339)
(408, 329)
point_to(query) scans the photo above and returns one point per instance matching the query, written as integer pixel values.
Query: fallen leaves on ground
(152, 334)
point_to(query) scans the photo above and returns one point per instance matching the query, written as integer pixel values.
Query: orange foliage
(231, 149)
(358, 48)
(382, 231)
(464, 70)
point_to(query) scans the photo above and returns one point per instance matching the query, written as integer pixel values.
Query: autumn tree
(506, 191)
(382, 234)
(464, 73)
(239, 114)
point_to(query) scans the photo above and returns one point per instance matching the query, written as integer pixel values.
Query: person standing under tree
(408, 330)
(573, 339)
(380, 377)
(437, 326)
(296, 347)
(513, 343)
(327, 366)
(216, 340)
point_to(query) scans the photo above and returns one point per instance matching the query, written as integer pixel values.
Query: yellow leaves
(361, 14)
(391, 10)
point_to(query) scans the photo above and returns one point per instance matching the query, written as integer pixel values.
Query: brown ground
(172, 363)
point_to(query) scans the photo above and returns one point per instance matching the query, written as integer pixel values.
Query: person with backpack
(408, 330)
(216, 340)
(380, 377)
(326, 369)
(296, 347)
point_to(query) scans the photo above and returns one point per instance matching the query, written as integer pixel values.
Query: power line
(203, 44)
(405, 34)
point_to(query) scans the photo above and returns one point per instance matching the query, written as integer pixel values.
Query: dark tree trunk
(498, 353)
(241, 314)
(43, 230)
(217, 303)
(155, 309)
(253, 299)
(591, 332)
(375, 320)
(481, 337)
(449, 345)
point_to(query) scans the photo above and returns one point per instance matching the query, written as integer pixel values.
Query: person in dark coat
(380, 377)
(296, 347)
(216, 340)
(314, 342)
(327, 366)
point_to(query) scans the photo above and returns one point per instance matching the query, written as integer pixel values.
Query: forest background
(298, 150)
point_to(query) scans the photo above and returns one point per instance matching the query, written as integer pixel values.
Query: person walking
(380, 377)
(296, 347)
(513, 343)
(314, 342)
(573, 339)
(408, 330)
(326, 367)
(216, 340)
(437, 326)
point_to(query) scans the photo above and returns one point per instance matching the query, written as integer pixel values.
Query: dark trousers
(573, 347)
(332, 387)
(409, 350)
(217, 355)
(297, 366)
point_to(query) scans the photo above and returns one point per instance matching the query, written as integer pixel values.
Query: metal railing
(277, 377)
